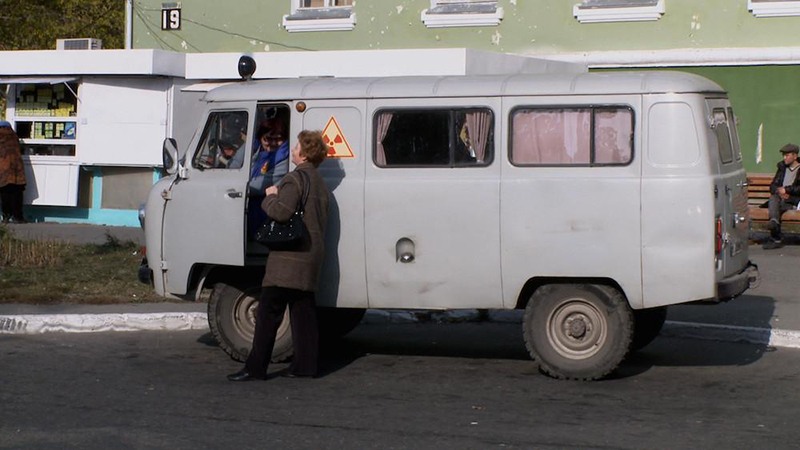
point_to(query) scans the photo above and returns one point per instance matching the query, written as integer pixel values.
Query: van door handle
(233, 193)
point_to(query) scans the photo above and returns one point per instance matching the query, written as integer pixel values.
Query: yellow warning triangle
(335, 140)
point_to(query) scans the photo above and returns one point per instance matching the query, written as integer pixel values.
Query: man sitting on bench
(785, 194)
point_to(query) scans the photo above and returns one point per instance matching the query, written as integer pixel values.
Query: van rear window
(581, 136)
(723, 132)
(452, 137)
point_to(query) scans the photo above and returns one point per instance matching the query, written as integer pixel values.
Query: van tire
(231, 317)
(577, 331)
(647, 324)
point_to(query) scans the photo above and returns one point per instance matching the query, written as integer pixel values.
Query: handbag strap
(301, 203)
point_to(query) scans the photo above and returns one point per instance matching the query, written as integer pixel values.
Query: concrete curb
(177, 321)
(91, 323)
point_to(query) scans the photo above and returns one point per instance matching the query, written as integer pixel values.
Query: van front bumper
(735, 285)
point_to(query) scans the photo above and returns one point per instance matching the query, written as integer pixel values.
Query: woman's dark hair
(312, 147)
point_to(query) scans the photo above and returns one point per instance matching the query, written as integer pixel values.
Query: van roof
(642, 82)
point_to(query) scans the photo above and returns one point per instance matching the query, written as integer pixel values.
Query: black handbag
(287, 235)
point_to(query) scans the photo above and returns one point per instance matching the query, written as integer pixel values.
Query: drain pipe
(128, 24)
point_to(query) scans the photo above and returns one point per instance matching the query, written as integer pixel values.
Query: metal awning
(204, 87)
(36, 80)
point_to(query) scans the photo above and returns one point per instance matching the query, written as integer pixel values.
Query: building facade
(747, 46)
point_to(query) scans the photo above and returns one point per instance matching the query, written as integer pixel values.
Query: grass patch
(47, 272)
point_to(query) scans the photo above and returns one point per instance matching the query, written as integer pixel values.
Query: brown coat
(12, 170)
(299, 269)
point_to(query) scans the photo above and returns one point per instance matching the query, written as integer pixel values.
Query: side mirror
(169, 155)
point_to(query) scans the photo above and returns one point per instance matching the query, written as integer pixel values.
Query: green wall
(768, 95)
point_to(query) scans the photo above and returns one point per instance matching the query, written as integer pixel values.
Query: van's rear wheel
(232, 319)
(647, 325)
(578, 331)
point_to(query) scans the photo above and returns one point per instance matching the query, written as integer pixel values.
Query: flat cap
(790, 148)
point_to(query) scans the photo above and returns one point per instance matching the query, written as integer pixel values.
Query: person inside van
(785, 194)
(231, 155)
(270, 163)
(271, 158)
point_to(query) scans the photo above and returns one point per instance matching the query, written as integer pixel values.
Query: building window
(320, 15)
(593, 11)
(459, 137)
(774, 8)
(462, 13)
(574, 136)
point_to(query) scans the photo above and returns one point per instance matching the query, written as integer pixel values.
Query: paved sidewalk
(769, 314)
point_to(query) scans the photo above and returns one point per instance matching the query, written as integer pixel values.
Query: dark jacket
(12, 169)
(777, 181)
(299, 269)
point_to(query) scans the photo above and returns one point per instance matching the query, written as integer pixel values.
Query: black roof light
(247, 67)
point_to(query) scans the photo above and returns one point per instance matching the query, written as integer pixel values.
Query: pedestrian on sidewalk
(12, 174)
(785, 194)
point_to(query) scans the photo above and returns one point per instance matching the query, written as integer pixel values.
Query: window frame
(452, 136)
(773, 8)
(328, 18)
(214, 119)
(600, 11)
(592, 133)
(462, 13)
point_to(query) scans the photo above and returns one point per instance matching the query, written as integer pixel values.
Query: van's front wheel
(578, 331)
(232, 318)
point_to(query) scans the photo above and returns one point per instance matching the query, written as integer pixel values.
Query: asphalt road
(464, 386)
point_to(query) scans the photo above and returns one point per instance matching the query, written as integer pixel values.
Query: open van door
(204, 212)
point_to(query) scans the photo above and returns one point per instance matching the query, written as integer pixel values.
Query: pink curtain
(479, 123)
(612, 138)
(551, 136)
(383, 127)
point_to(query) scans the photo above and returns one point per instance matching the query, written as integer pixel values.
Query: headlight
(141, 215)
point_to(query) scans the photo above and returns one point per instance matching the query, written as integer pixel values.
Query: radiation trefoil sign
(335, 140)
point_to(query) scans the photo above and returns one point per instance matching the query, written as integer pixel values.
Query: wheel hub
(576, 327)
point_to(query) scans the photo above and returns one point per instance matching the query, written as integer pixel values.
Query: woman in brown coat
(291, 277)
(12, 174)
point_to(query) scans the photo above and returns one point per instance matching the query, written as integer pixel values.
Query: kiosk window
(434, 138)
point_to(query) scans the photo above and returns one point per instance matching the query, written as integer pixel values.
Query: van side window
(723, 133)
(453, 137)
(222, 145)
(581, 136)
